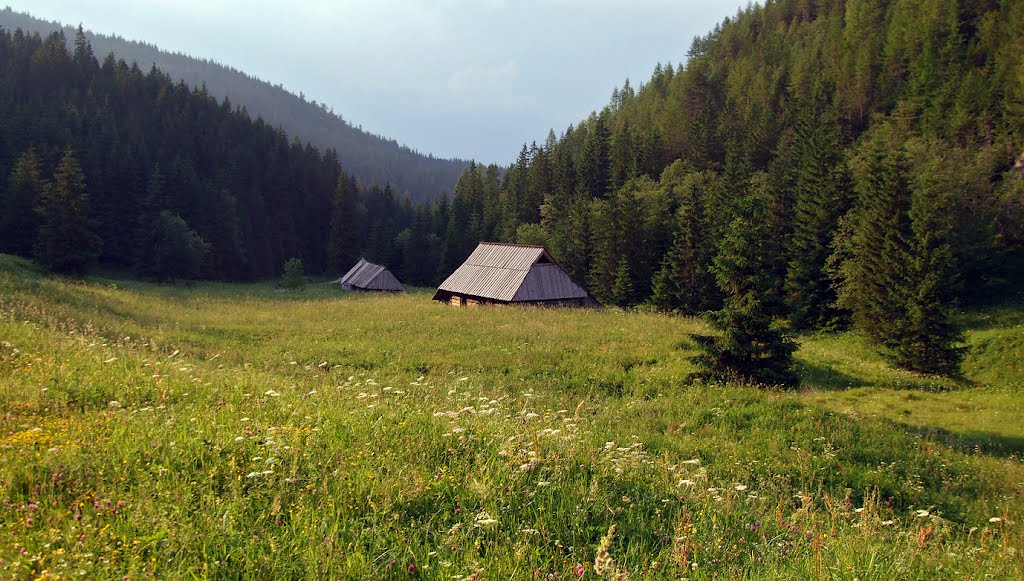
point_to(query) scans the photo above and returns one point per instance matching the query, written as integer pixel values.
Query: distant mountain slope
(370, 158)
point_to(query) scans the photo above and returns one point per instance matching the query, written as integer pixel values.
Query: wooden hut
(367, 276)
(511, 274)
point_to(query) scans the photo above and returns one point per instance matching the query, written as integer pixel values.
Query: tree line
(371, 158)
(838, 163)
(813, 166)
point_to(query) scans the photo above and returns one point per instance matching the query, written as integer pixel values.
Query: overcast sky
(456, 78)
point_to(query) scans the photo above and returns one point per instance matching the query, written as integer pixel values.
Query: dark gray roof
(369, 276)
(511, 273)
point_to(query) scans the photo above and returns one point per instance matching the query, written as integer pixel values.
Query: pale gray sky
(456, 78)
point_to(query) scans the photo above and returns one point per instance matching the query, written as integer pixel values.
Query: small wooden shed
(367, 276)
(511, 274)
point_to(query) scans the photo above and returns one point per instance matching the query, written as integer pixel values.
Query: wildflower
(995, 519)
(114, 404)
(686, 482)
(458, 430)
(484, 519)
(741, 487)
(922, 513)
(543, 483)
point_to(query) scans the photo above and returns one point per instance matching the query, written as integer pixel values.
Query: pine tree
(872, 246)
(179, 251)
(623, 291)
(819, 202)
(146, 241)
(685, 283)
(343, 244)
(294, 276)
(18, 222)
(66, 243)
(894, 259)
(752, 348)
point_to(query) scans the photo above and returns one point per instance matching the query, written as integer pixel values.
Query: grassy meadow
(226, 431)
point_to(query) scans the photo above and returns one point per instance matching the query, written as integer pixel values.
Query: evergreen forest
(846, 162)
(372, 159)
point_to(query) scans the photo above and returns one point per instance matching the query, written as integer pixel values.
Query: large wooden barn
(367, 276)
(511, 274)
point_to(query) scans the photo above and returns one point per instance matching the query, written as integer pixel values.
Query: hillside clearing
(223, 430)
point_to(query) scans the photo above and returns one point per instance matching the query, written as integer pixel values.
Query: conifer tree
(18, 222)
(929, 341)
(178, 251)
(66, 243)
(752, 348)
(685, 283)
(343, 244)
(623, 291)
(894, 259)
(819, 178)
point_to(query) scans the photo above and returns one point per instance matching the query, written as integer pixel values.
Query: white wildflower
(484, 519)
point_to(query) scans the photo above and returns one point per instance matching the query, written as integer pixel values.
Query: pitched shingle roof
(499, 271)
(367, 275)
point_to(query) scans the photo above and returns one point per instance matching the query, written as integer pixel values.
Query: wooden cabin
(511, 274)
(367, 276)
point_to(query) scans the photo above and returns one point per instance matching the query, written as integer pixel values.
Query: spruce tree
(685, 283)
(179, 251)
(623, 291)
(819, 181)
(66, 243)
(343, 243)
(18, 222)
(752, 347)
(894, 259)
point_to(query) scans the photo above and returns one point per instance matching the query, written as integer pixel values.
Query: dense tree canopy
(878, 136)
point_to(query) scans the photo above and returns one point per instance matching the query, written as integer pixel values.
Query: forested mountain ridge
(828, 162)
(372, 159)
(790, 99)
(104, 163)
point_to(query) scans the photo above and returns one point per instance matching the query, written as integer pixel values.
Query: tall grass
(234, 430)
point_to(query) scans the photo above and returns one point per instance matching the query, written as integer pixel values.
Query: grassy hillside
(222, 429)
